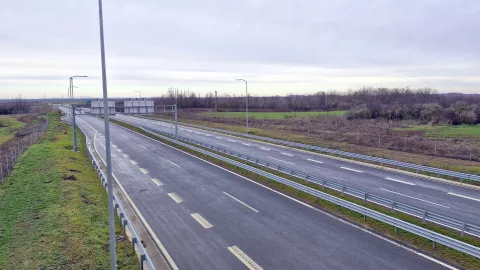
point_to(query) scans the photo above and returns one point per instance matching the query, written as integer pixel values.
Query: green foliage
(448, 131)
(54, 211)
(8, 127)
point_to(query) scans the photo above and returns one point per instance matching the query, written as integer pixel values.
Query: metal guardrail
(366, 212)
(125, 221)
(424, 215)
(398, 164)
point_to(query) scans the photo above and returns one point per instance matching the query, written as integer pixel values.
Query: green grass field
(272, 115)
(54, 211)
(449, 131)
(8, 126)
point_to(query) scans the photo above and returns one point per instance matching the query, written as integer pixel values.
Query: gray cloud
(205, 44)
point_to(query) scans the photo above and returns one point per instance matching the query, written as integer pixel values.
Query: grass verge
(54, 211)
(450, 255)
(9, 125)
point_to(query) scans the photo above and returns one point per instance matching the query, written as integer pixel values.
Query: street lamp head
(78, 76)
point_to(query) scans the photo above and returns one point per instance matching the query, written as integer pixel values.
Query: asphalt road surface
(209, 218)
(450, 200)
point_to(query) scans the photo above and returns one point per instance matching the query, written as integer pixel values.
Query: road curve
(209, 218)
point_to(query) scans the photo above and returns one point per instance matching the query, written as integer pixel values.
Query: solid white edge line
(370, 165)
(175, 197)
(244, 204)
(400, 181)
(205, 224)
(411, 197)
(463, 196)
(353, 170)
(249, 263)
(313, 208)
(313, 160)
(132, 204)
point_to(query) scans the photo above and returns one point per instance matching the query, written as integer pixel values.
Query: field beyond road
(272, 115)
(447, 131)
(53, 209)
(8, 126)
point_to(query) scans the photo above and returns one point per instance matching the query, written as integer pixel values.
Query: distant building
(97, 107)
(139, 106)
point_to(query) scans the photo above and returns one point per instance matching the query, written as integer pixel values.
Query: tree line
(424, 104)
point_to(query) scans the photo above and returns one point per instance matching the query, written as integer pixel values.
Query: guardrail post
(134, 241)
(393, 206)
(306, 179)
(343, 190)
(323, 184)
(396, 230)
(124, 223)
(365, 197)
(142, 260)
(463, 229)
(424, 216)
(434, 244)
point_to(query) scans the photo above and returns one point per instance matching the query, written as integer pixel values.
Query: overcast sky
(279, 46)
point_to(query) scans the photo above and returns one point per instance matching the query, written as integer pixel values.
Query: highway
(450, 200)
(209, 218)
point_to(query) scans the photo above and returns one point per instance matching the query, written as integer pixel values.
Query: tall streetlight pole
(246, 101)
(106, 111)
(139, 93)
(176, 119)
(74, 130)
(69, 93)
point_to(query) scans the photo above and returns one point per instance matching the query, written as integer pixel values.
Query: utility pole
(106, 111)
(74, 130)
(216, 108)
(246, 102)
(176, 120)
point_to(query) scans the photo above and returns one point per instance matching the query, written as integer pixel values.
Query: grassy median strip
(443, 163)
(445, 253)
(54, 211)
